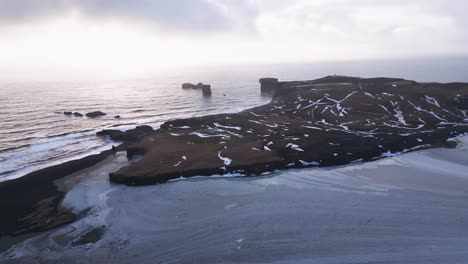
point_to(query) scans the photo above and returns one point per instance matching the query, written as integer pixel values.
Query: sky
(123, 37)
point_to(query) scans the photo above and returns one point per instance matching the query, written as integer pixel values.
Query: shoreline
(32, 200)
(39, 210)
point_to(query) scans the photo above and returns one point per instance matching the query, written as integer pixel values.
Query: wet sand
(405, 209)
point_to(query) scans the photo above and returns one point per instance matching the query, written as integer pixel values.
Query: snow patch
(294, 147)
(432, 100)
(227, 161)
(313, 163)
(206, 135)
(227, 127)
(398, 113)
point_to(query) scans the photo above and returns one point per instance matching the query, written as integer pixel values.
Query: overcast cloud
(213, 15)
(239, 30)
(178, 15)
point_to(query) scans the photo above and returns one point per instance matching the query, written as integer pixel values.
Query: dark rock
(192, 86)
(206, 90)
(77, 114)
(132, 151)
(269, 85)
(40, 209)
(95, 114)
(117, 117)
(199, 86)
(113, 134)
(130, 135)
(67, 113)
(188, 86)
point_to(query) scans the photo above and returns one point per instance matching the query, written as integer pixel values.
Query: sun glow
(109, 48)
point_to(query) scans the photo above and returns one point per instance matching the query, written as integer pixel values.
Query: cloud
(318, 16)
(174, 15)
(370, 29)
(177, 32)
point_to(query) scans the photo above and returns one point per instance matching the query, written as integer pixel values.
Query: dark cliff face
(330, 121)
(269, 85)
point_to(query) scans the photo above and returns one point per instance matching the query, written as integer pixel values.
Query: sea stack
(269, 85)
(206, 90)
(188, 86)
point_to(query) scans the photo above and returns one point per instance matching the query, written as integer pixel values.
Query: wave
(33, 136)
(12, 169)
(14, 148)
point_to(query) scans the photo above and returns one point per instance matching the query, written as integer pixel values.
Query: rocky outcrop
(129, 135)
(199, 86)
(269, 85)
(188, 86)
(330, 121)
(206, 88)
(68, 113)
(95, 114)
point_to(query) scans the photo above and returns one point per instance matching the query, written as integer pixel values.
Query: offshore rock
(95, 114)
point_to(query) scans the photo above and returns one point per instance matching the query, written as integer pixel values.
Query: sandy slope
(406, 209)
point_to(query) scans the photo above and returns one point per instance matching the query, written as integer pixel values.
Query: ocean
(34, 135)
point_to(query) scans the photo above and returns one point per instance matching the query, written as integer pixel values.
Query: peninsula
(325, 122)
